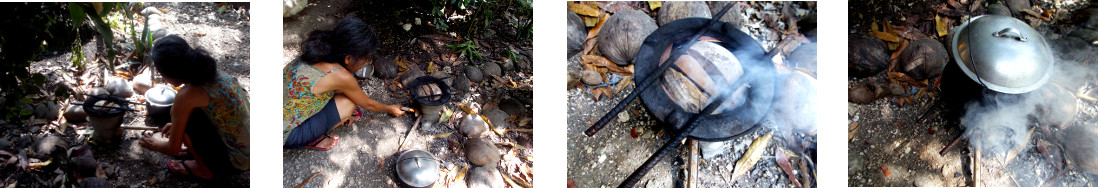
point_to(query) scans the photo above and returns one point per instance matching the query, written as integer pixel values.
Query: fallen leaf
(889, 37)
(1090, 95)
(751, 156)
(446, 113)
(507, 178)
(442, 135)
(589, 45)
(653, 5)
(598, 26)
(783, 157)
(584, 10)
(461, 173)
(852, 128)
(603, 62)
(885, 170)
(40, 164)
(940, 25)
(306, 181)
(953, 3)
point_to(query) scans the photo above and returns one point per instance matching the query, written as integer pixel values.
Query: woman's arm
(346, 83)
(186, 101)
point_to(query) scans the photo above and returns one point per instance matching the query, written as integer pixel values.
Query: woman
(320, 91)
(209, 116)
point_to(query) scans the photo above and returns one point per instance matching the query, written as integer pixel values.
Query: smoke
(1000, 123)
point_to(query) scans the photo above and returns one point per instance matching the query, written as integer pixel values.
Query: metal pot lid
(1002, 53)
(417, 168)
(160, 95)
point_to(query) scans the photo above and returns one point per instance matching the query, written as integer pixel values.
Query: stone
(473, 126)
(497, 117)
(119, 87)
(733, 16)
(795, 104)
(591, 77)
(804, 57)
(385, 68)
(474, 74)
(481, 152)
(622, 35)
(577, 33)
(484, 177)
(923, 59)
(410, 75)
(491, 68)
(97, 91)
(675, 10)
(712, 149)
(998, 9)
(868, 55)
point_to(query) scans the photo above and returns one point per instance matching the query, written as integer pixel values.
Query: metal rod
(108, 107)
(690, 125)
(648, 82)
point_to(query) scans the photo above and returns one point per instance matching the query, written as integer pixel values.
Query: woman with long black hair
(320, 92)
(209, 117)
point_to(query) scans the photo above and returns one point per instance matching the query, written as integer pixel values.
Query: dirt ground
(608, 157)
(892, 145)
(224, 35)
(367, 149)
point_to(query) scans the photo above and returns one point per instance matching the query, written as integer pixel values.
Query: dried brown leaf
(751, 156)
(598, 26)
(603, 62)
(783, 157)
(940, 25)
(583, 9)
(889, 37)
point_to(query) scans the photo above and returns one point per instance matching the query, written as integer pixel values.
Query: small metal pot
(417, 168)
(160, 100)
(1002, 53)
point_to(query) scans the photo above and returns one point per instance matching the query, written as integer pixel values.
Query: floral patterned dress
(228, 111)
(300, 102)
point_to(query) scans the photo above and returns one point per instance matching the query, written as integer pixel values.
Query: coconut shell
(481, 152)
(1088, 18)
(577, 33)
(1059, 108)
(998, 9)
(591, 77)
(461, 83)
(385, 68)
(474, 74)
(804, 57)
(675, 10)
(733, 16)
(622, 35)
(484, 177)
(491, 68)
(497, 117)
(863, 94)
(1079, 144)
(119, 87)
(868, 55)
(409, 76)
(98, 91)
(923, 59)
(796, 104)
(473, 126)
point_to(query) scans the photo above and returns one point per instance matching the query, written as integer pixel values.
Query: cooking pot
(1002, 54)
(160, 100)
(744, 109)
(417, 168)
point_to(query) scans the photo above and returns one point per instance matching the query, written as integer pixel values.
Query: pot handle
(1010, 33)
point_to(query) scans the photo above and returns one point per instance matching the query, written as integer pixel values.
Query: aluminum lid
(1002, 53)
(417, 168)
(160, 95)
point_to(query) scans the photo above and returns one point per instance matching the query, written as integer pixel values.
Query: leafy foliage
(467, 49)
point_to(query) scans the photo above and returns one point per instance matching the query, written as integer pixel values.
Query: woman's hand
(395, 110)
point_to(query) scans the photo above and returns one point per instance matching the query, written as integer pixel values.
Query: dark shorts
(312, 128)
(208, 145)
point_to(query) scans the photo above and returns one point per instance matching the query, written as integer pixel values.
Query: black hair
(350, 37)
(174, 58)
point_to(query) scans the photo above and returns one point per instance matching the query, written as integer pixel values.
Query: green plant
(78, 12)
(467, 49)
(511, 55)
(142, 43)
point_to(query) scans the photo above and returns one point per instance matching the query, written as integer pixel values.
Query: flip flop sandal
(318, 140)
(357, 115)
(186, 171)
